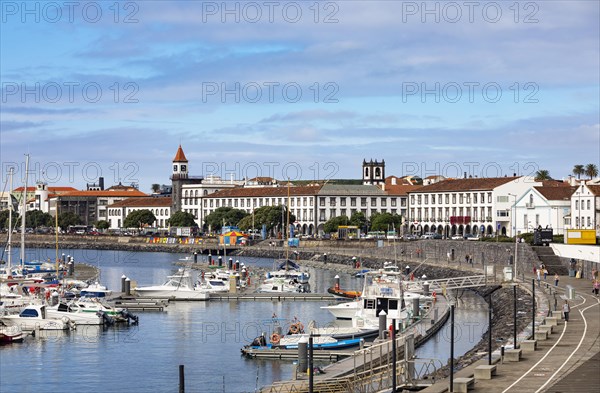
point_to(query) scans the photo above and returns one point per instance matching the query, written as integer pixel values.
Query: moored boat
(35, 317)
(343, 294)
(10, 333)
(177, 287)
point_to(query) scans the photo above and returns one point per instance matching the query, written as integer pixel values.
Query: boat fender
(275, 338)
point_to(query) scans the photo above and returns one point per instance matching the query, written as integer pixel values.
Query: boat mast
(56, 231)
(10, 209)
(24, 197)
(287, 242)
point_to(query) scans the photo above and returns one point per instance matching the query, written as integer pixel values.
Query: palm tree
(578, 170)
(591, 170)
(542, 174)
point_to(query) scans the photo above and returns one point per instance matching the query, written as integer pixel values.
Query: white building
(585, 208)
(159, 206)
(468, 205)
(545, 207)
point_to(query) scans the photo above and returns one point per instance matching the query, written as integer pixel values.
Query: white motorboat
(94, 305)
(35, 317)
(289, 270)
(281, 285)
(76, 314)
(177, 287)
(96, 290)
(10, 334)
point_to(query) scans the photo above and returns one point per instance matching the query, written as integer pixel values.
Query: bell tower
(373, 172)
(178, 178)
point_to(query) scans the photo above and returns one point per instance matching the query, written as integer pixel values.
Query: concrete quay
(568, 360)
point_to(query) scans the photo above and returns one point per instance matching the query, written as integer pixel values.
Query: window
(352, 201)
(342, 201)
(537, 220)
(447, 199)
(426, 200)
(321, 214)
(241, 203)
(292, 202)
(331, 213)
(363, 202)
(383, 202)
(468, 198)
(321, 201)
(588, 207)
(412, 199)
(403, 202)
(373, 202)
(418, 199)
(439, 199)
(454, 199)
(393, 202)
(474, 197)
(576, 205)
(217, 203)
(460, 198)
(332, 201)
(489, 197)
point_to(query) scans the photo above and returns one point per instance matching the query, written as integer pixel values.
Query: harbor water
(205, 337)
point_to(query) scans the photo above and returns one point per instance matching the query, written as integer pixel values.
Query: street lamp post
(516, 238)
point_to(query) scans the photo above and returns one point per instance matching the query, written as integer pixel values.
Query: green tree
(270, 216)
(333, 223)
(4, 219)
(542, 174)
(182, 219)
(102, 224)
(591, 170)
(578, 170)
(358, 219)
(155, 188)
(385, 221)
(224, 216)
(139, 218)
(37, 218)
(67, 219)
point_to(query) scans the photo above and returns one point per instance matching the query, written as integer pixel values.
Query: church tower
(373, 172)
(178, 179)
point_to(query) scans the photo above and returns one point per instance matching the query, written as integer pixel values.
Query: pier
(258, 296)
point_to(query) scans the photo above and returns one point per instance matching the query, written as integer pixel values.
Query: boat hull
(171, 294)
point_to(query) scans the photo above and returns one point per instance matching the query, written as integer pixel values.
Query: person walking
(566, 310)
(596, 287)
(539, 276)
(545, 273)
(556, 278)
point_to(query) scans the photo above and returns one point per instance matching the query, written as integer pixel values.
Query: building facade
(159, 206)
(585, 207)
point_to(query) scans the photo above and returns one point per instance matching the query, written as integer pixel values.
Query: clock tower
(178, 178)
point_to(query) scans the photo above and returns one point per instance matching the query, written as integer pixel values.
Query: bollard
(237, 266)
(123, 277)
(220, 261)
(71, 268)
(336, 284)
(127, 286)
(195, 256)
(181, 379)
(426, 288)
(303, 354)
(230, 264)
(210, 261)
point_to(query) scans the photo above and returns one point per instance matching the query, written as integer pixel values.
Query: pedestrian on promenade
(596, 288)
(594, 274)
(545, 273)
(566, 310)
(556, 280)
(539, 276)
(448, 256)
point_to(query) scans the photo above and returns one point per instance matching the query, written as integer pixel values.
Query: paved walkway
(569, 361)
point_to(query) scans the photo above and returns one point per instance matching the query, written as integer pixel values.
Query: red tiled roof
(470, 184)
(179, 156)
(262, 179)
(400, 189)
(51, 188)
(265, 192)
(143, 202)
(595, 189)
(105, 193)
(556, 193)
(555, 183)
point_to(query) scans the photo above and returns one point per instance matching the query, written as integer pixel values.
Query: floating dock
(281, 353)
(294, 297)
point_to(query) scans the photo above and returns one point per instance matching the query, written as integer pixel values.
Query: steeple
(180, 165)
(179, 156)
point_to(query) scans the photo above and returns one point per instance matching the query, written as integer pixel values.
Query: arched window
(377, 172)
(186, 193)
(196, 193)
(205, 192)
(530, 199)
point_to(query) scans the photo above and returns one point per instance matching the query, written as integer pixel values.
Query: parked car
(457, 237)
(469, 236)
(409, 237)
(427, 235)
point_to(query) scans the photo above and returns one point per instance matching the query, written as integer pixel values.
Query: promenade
(568, 361)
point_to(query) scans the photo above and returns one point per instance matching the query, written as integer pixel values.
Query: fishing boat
(35, 317)
(281, 285)
(177, 287)
(260, 344)
(10, 334)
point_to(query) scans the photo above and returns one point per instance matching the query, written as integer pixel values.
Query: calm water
(206, 337)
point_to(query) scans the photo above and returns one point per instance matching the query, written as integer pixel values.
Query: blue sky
(298, 89)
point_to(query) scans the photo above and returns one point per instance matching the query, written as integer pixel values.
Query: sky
(298, 89)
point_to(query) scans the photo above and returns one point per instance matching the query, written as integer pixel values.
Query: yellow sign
(581, 236)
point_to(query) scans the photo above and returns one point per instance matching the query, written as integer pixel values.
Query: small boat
(94, 305)
(35, 317)
(281, 285)
(96, 290)
(10, 334)
(342, 294)
(77, 315)
(289, 270)
(177, 287)
(279, 343)
(360, 273)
